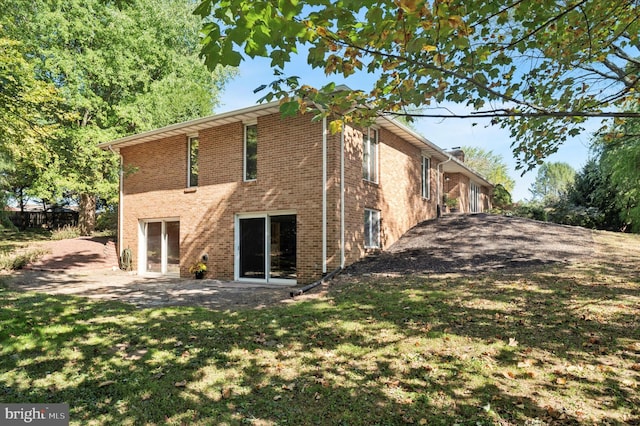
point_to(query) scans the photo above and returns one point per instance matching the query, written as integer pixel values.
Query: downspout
(120, 203)
(322, 280)
(440, 178)
(342, 209)
(324, 195)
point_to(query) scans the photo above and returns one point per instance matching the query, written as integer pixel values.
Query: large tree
(552, 182)
(619, 164)
(489, 164)
(120, 69)
(537, 67)
(27, 119)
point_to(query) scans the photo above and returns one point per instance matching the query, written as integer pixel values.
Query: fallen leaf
(226, 393)
(513, 342)
(106, 383)
(277, 397)
(636, 367)
(509, 374)
(289, 387)
(561, 381)
(180, 384)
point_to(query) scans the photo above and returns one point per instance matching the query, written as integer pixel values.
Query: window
(251, 152)
(192, 167)
(370, 155)
(426, 177)
(371, 228)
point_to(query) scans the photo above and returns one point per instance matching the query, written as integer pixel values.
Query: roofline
(186, 124)
(431, 145)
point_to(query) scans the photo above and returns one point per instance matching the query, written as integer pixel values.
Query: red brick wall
(458, 187)
(397, 195)
(289, 178)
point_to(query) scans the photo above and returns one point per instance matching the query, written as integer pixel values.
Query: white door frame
(267, 238)
(142, 245)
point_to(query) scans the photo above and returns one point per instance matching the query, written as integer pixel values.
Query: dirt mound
(479, 242)
(81, 253)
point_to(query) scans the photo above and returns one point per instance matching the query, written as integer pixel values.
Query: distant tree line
(604, 194)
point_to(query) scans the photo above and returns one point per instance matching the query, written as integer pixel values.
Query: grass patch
(12, 240)
(19, 259)
(19, 248)
(556, 345)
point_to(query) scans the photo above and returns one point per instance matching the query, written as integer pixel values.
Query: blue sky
(444, 133)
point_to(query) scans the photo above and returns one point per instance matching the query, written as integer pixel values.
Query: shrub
(13, 261)
(569, 214)
(107, 221)
(65, 233)
(530, 211)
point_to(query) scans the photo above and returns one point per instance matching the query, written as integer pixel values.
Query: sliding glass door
(160, 252)
(266, 247)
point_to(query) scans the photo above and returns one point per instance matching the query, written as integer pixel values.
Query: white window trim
(189, 139)
(367, 138)
(368, 232)
(244, 152)
(425, 178)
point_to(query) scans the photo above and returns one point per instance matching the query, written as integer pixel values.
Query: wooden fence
(48, 220)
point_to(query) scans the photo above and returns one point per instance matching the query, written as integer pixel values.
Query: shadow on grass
(531, 346)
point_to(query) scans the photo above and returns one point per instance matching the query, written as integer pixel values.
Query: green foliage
(27, 119)
(67, 232)
(18, 260)
(610, 182)
(533, 211)
(501, 197)
(552, 181)
(546, 64)
(566, 213)
(107, 220)
(594, 191)
(490, 165)
(118, 70)
(620, 162)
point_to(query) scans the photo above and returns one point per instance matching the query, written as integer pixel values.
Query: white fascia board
(193, 126)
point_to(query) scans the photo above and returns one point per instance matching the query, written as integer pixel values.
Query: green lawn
(558, 345)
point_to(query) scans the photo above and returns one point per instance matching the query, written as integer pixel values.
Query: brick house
(264, 198)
